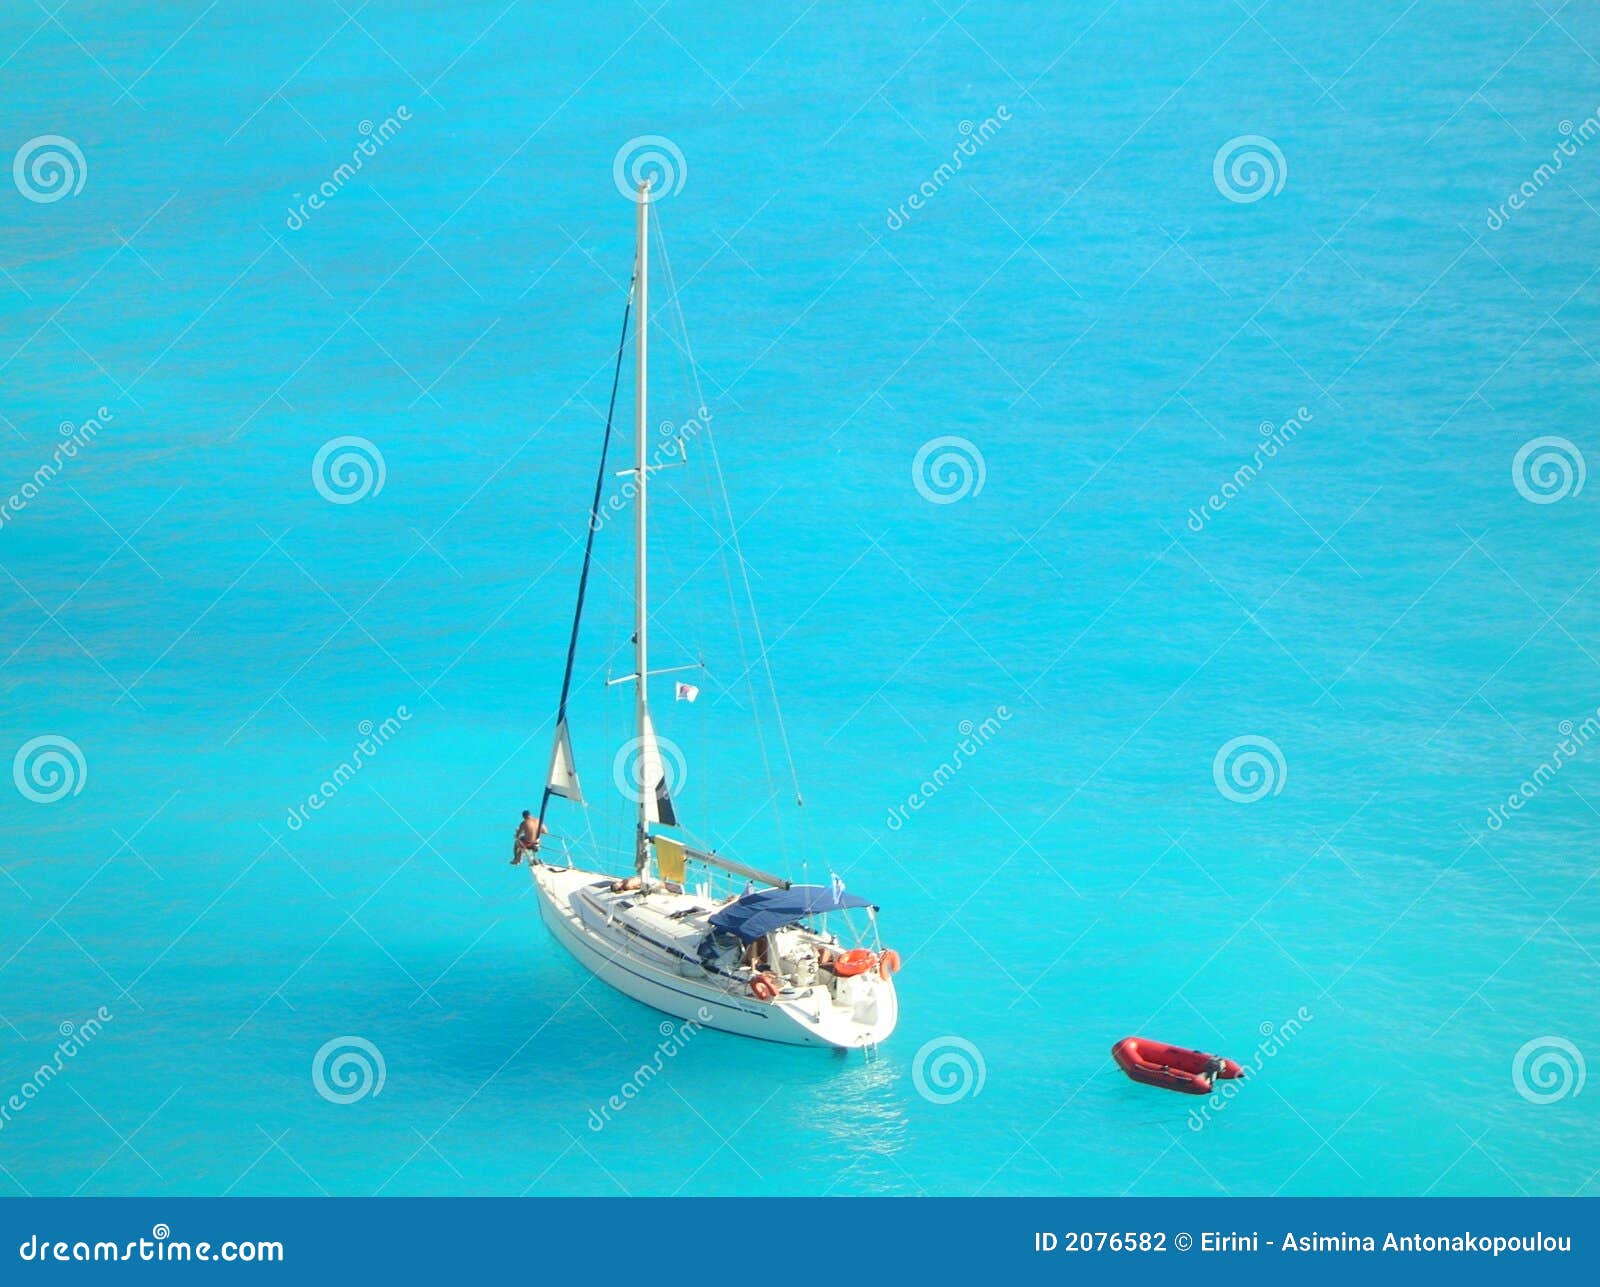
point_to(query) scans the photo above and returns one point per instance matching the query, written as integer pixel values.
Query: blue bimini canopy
(760, 913)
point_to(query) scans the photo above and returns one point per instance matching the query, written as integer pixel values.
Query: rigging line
(694, 485)
(677, 309)
(588, 544)
(733, 533)
(676, 329)
(755, 617)
(748, 670)
(672, 549)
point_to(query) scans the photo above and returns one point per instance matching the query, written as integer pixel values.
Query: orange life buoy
(763, 988)
(888, 963)
(856, 961)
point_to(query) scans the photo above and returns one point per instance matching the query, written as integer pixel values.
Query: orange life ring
(856, 961)
(888, 963)
(763, 988)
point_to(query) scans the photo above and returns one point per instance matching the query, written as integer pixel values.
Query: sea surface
(1157, 441)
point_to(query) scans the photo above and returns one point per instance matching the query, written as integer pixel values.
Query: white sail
(562, 779)
(654, 793)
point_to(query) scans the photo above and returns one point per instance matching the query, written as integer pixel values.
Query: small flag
(687, 692)
(835, 886)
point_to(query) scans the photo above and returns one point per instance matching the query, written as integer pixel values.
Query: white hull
(647, 970)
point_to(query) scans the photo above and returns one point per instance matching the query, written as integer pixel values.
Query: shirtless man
(529, 834)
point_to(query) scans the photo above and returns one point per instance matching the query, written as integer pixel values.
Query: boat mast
(646, 752)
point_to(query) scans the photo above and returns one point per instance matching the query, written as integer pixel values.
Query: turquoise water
(1103, 325)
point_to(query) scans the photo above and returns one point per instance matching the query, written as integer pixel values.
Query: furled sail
(563, 777)
(653, 788)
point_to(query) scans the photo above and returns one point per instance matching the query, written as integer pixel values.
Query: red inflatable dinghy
(1171, 1067)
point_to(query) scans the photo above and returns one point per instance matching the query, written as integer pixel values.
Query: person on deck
(755, 954)
(529, 834)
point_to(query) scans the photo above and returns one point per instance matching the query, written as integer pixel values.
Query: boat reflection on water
(857, 1114)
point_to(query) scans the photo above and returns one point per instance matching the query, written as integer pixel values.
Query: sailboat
(766, 962)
